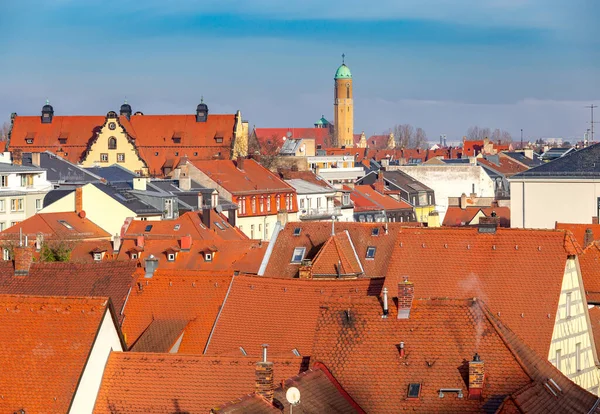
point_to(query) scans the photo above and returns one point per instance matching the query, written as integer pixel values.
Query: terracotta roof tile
(595, 325)
(160, 336)
(254, 300)
(462, 263)
(337, 258)
(366, 198)
(44, 346)
(578, 231)
(456, 216)
(187, 296)
(158, 383)
(111, 279)
(589, 262)
(276, 136)
(507, 166)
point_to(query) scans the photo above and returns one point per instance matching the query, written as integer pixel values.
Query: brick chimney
(264, 377)
(240, 163)
(200, 201)
(78, 199)
(379, 185)
(476, 377)
(406, 293)
(588, 238)
(23, 257)
(305, 270)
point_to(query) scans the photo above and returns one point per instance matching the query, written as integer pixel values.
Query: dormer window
(177, 137)
(29, 140)
(208, 257)
(219, 139)
(97, 257)
(298, 255)
(134, 256)
(171, 257)
(297, 231)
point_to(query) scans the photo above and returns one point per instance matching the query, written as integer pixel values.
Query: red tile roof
(150, 133)
(270, 136)
(189, 296)
(111, 279)
(589, 262)
(366, 198)
(463, 263)
(337, 258)
(361, 349)
(579, 230)
(313, 235)
(507, 166)
(56, 226)
(309, 176)
(594, 313)
(456, 216)
(161, 383)
(282, 313)
(44, 346)
(253, 179)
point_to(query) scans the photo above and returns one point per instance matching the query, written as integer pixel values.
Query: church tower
(343, 107)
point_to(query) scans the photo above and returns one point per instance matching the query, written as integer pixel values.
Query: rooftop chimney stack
(588, 238)
(116, 243)
(151, 266)
(406, 293)
(385, 303)
(264, 377)
(463, 201)
(78, 199)
(240, 163)
(23, 256)
(214, 199)
(476, 377)
(206, 211)
(401, 349)
(140, 241)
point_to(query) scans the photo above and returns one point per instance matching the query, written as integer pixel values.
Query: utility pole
(592, 107)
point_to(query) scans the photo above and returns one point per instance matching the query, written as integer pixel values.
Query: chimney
(406, 293)
(17, 156)
(463, 201)
(401, 351)
(385, 303)
(23, 257)
(476, 377)
(78, 199)
(186, 243)
(379, 185)
(231, 216)
(140, 241)
(488, 224)
(139, 183)
(151, 266)
(214, 199)
(240, 163)
(264, 377)
(185, 183)
(116, 243)
(36, 159)
(200, 201)
(206, 211)
(305, 270)
(588, 238)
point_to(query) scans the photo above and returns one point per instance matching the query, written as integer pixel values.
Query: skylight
(413, 390)
(298, 255)
(67, 225)
(148, 227)
(219, 225)
(371, 252)
(177, 227)
(297, 231)
(375, 231)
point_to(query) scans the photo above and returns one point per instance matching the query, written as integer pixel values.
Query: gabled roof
(110, 279)
(45, 343)
(337, 258)
(306, 187)
(175, 297)
(313, 235)
(309, 176)
(456, 216)
(165, 383)
(505, 269)
(440, 337)
(160, 336)
(581, 164)
(366, 198)
(502, 165)
(589, 263)
(55, 226)
(319, 393)
(254, 178)
(254, 300)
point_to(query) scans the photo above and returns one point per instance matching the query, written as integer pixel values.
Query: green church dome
(322, 121)
(343, 72)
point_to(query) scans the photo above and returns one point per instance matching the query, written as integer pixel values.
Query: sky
(443, 65)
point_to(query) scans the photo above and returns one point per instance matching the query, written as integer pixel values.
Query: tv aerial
(292, 395)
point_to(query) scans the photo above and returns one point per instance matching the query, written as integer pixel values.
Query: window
(375, 231)
(260, 228)
(148, 227)
(156, 153)
(262, 204)
(169, 208)
(253, 205)
(242, 205)
(5, 253)
(134, 256)
(27, 180)
(2, 225)
(578, 356)
(208, 257)
(29, 140)
(252, 231)
(219, 140)
(346, 199)
(177, 227)
(266, 230)
(112, 143)
(277, 202)
(120, 157)
(16, 204)
(297, 231)
(103, 157)
(568, 306)
(298, 255)
(171, 257)
(268, 203)
(413, 390)
(371, 252)
(176, 153)
(38, 204)
(195, 154)
(558, 359)
(319, 202)
(2, 207)
(67, 225)
(287, 202)
(97, 257)
(4, 180)
(301, 203)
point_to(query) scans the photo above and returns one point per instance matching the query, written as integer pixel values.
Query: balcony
(319, 213)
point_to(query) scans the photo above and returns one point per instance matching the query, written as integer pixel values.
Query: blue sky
(442, 65)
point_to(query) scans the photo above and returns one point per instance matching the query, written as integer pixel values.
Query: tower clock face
(112, 126)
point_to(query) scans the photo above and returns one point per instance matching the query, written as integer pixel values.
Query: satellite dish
(293, 395)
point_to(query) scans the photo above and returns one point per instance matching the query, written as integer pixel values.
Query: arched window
(347, 90)
(112, 143)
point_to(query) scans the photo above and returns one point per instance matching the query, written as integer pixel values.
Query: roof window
(296, 352)
(67, 225)
(171, 257)
(297, 231)
(414, 389)
(97, 257)
(177, 227)
(371, 252)
(208, 257)
(375, 231)
(298, 255)
(243, 351)
(148, 227)
(219, 225)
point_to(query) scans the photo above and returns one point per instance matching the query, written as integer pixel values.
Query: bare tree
(4, 128)
(476, 133)
(420, 138)
(404, 135)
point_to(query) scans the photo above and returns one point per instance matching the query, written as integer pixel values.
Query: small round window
(112, 126)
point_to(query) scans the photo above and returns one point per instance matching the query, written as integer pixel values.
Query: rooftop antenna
(292, 395)
(592, 107)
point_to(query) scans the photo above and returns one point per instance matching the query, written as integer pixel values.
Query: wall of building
(451, 181)
(258, 227)
(107, 340)
(131, 159)
(541, 203)
(572, 330)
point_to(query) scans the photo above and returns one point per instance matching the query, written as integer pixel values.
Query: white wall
(89, 384)
(548, 201)
(451, 181)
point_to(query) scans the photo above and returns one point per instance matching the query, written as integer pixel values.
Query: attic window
(298, 255)
(195, 154)
(297, 231)
(97, 257)
(371, 252)
(148, 227)
(29, 140)
(375, 231)
(177, 227)
(171, 257)
(414, 389)
(218, 139)
(177, 137)
(208, 257)
(67, 225)
(243, 351)
(134, 256)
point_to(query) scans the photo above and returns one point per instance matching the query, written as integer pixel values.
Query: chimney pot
(406, 293)
(23, 258)
(385, 303)
(463, 201)
(476, 377)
